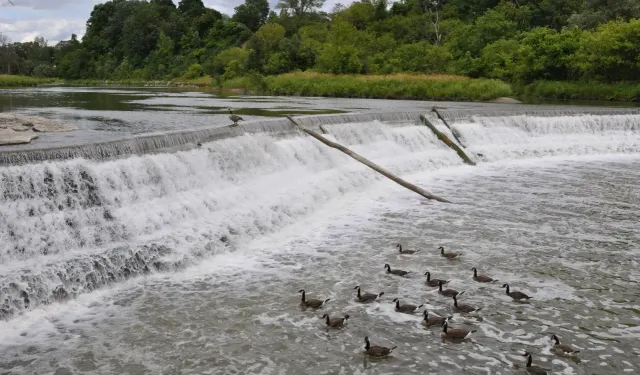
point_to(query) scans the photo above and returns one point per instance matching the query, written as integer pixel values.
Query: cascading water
(512, 137)
(71, 227)
(227, 233)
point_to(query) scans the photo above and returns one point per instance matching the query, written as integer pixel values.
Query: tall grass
(396, 86)
(17, 81)
(627, 92)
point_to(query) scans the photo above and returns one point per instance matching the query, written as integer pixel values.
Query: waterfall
(74, 219)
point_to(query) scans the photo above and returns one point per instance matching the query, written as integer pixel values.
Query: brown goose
(480, 278)
(405, 251)
(335, 322)
(532, 369)
(367, 297)
(313, 303)
(455, 334)
(448, 255)
(407, 308)
(430, 321)
(433, 282)
(375, 350)
(563, 348)
(462, 308)
(447, 292)
(516, 295)
(396, 272)
(235, 118)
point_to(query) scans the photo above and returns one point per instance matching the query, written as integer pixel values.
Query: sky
(56, 20)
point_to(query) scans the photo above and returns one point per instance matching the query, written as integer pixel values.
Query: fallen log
(443, 137)
(453, 131)
(369, 164)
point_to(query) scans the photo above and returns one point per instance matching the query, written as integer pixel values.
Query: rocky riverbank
(17, 129)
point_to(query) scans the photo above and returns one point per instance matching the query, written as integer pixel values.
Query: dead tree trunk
(369, 164)
(453, 131)
(442, 137)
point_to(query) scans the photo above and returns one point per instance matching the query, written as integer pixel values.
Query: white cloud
(56, 20)
(53, 30)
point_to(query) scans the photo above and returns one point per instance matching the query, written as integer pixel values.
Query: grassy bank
(396, 86)
(624, 92)
(18, 81)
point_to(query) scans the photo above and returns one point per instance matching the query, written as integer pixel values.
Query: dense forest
(512, 40)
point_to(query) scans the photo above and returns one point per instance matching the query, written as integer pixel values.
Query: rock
(18, 129)
(35, 123)
(12, 137)
(505, 100)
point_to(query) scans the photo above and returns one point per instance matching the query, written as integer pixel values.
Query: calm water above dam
(117, 267)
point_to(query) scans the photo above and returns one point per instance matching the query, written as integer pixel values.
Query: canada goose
(447, 292)
(396, 272)
(515, 295)
(448, 255)
(375, 350)
(480, 278)
(405, 251)
(367, 297)
(455, 334)
(407, 308)
(313, 303)
(433, 320)
(434, 282)
(335, 322)
(234, 118)
(563, 348)
(462, 308)
(531, 369)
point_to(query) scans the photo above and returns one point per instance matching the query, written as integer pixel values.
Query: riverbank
(396, 86)
(24, 81)
(555, 90)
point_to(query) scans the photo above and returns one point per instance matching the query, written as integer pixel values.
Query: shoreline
(393, 87)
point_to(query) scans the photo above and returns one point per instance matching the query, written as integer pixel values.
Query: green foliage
(253, 13)
(194, 71)
(612, 52)
(629, 92)
(231, 63)
(17, 81)
(519, 41)
(394, 86)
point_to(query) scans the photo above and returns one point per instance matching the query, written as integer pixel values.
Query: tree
(300, 7)
(140, 33)
(253, 13)
(191, 8)
(596, 12)
(432, 8)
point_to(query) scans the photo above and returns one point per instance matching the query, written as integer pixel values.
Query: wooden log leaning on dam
(442, 137)
(370, 164)
(453, 131)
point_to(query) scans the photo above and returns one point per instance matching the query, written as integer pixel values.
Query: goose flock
(429, 320)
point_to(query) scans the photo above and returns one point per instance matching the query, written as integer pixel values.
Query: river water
(116, 267)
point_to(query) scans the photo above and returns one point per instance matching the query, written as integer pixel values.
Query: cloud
(42, 4)
(56, 20)
(51, 30)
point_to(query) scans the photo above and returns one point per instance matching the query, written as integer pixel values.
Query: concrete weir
(185, 139)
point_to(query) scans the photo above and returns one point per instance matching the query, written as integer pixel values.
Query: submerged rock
(18, 129)
(12, 137)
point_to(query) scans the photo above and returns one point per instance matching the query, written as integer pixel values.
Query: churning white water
(190, 262)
